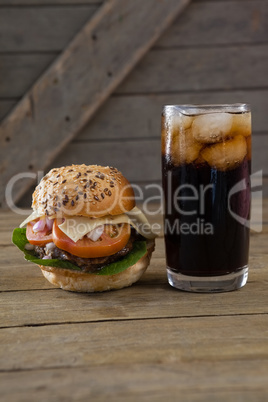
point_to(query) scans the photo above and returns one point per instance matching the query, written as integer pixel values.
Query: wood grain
(176, 340)
(20, 28)
(147, 342)
(33, 307)
(136, 117)
(20, 71)
(39, 3)
(198, 69)
(167, 70)
(146, 151)
(109, 39)
(219, 23)
(41, 29)
(6, 106)
(243, 380)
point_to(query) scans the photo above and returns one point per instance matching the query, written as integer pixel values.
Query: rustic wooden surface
(67, 95)
(215, 52)
(147, 342)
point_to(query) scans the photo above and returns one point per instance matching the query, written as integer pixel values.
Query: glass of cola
(206, 162)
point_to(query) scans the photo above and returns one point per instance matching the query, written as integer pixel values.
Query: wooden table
(148, 342)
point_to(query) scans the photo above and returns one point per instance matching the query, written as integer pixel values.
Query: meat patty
(86, 264)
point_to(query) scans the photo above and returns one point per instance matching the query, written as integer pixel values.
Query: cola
(206, 162)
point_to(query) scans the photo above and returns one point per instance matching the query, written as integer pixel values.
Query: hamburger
(85, 231)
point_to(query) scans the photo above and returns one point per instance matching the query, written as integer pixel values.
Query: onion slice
(96, 233)
(39, 226)
(49, 223)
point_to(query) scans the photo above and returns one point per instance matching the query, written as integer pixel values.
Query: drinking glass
(206, 162)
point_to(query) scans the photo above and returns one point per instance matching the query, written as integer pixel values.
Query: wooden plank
(138, 116)
(124, 155)
(41, 29)
(20, 71)
(110, 39)
(39, 3)
(20, 275)
(230, 68)
(35, 307)
(200, 25)
(175, 340)
(195, 69)
(6, 106)
(238, 380)
(219, 23)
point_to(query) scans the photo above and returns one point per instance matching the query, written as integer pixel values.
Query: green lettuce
(139, 250)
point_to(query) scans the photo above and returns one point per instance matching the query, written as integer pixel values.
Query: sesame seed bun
(84, 282)
(81, 190)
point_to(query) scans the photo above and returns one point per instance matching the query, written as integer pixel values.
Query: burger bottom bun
(83, 282)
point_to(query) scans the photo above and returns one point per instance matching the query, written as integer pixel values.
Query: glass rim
(195, 109)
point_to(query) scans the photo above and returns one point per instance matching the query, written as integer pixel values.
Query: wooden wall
(215, 52)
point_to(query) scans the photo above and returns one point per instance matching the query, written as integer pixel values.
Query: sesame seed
(105, 190)
(109, 193)
(78, 175)
(70, 170)
(64, 181)
(85, 195)
(102, 195)
(76, 188)
(58, 175)
(59, 204)
(77, 197)
(96, 198)
(55, 183)
(72, 203)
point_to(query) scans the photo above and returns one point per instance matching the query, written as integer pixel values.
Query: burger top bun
(81, 190)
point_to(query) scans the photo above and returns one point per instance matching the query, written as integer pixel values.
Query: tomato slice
(113, 239)
(38, 238)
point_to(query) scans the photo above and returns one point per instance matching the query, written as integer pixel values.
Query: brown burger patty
(86, 264)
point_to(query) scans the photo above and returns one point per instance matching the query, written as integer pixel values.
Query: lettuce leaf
(139, 250)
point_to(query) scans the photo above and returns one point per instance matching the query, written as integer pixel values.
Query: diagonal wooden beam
(67, 95)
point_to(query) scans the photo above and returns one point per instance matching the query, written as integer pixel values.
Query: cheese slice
(76, 227)
(34, 215)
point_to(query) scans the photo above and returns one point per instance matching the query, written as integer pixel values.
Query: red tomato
(111, 241)
(38, 238)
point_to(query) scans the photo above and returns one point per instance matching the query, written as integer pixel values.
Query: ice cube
(241, 124)
(174, 128)
(185, 149)
(226, 155)
(212, 127)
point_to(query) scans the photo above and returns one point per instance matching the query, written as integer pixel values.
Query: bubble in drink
(213, 127)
